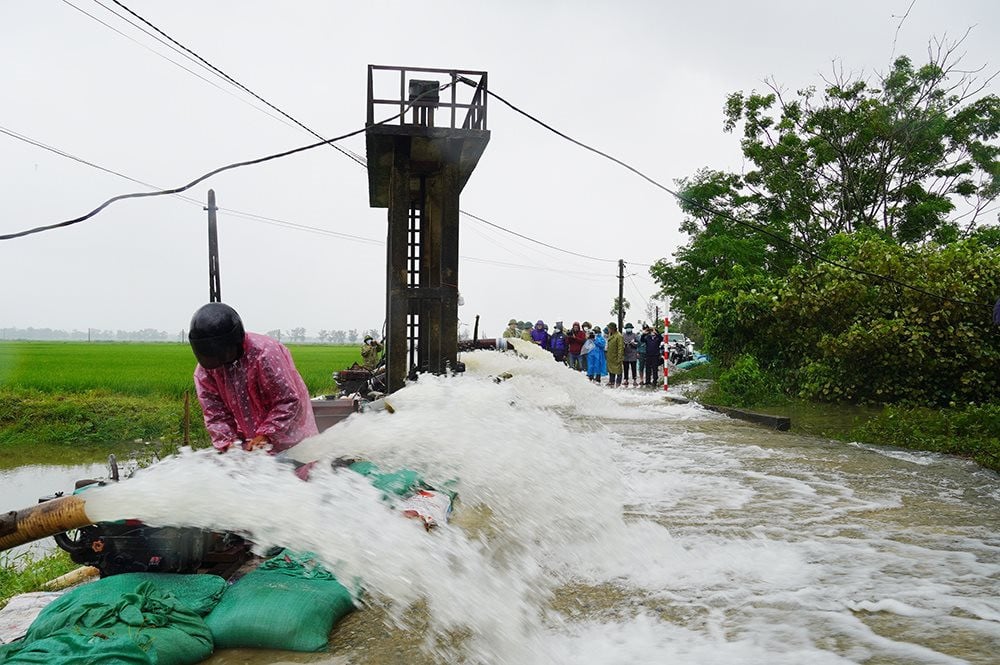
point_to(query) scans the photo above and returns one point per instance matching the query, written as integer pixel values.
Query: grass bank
(81, 395)
(24, 573)
(971, 431)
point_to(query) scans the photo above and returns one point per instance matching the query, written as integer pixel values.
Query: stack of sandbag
(141, 618)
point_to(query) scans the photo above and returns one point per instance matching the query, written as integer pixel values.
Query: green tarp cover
(289, 602)
(141, 624)
(401, 483)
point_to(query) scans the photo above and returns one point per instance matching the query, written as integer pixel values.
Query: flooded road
(609, 526)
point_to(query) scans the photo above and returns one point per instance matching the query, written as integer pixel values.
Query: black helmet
(216, 335)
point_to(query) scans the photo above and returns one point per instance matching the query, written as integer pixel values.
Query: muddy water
(602, 526)
(23, 486)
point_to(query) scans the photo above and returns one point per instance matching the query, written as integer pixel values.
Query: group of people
(621, 355)
(253, 397)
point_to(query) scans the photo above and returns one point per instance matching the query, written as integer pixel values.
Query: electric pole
(621, 294)
(214, 285)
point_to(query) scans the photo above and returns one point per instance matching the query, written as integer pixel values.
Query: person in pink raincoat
(250, 392)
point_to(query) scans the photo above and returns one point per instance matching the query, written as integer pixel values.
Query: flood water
(609, 526)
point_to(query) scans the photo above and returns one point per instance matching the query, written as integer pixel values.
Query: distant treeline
(90, 334)
(298, 335)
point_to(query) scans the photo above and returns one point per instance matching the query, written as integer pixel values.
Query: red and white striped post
(666, 354)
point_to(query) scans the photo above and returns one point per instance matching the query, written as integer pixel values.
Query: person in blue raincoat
(596, 360)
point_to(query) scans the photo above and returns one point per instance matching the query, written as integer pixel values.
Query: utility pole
(621, 294)
(214, 285)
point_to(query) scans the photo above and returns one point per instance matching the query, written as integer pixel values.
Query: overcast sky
(644, 81)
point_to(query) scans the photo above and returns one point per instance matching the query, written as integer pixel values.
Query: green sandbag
(198, 593)
(68, 648)
(288, 603)
(156, 622)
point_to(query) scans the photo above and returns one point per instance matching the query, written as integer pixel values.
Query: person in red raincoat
(575, 339)
(250, 392)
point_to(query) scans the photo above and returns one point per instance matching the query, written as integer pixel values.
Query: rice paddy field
(78, 396)
(140, 369)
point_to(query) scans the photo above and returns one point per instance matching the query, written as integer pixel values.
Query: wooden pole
(214, 282)
(666, 354)
(187, 418)
(621, 293)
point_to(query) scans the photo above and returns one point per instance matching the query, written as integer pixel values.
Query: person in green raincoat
(511, 330)
(615, 356)
(371, 351)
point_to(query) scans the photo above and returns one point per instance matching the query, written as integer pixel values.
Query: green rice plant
(79, 395)
(140, 369)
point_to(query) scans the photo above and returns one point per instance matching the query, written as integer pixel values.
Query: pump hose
(46, 519)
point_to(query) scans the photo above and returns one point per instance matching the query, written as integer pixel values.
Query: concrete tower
(418, 164)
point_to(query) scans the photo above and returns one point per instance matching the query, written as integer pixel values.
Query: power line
(233, 81)
(175, 63)
(635, 287)
(537, 242)
(195, 57)
(724, 215)
(317, 135)
(175, 190)
(274, 221)
(228, 167)
(254, 216)
(282, 223)
(691, 202)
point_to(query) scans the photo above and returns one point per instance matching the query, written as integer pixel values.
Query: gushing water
(606, 526)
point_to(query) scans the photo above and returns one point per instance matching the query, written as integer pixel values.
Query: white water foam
(725, 543)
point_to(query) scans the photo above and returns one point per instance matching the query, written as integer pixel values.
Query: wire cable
(198, 59)
(537, 242)
(177, 64)
(206, 176)
(282, 223)
(719, 213)
(236, 83)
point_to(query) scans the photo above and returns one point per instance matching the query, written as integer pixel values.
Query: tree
(911, 157)
(276, 334)
(338, 336)
(352, 335)
(324, 335)
(619, 306)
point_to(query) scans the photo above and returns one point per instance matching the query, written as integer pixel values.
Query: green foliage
(744, 383)
(972, 431)
(832, 335)
(24, 572)
(890, 179)
(621, 305)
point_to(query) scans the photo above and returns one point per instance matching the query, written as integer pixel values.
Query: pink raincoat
(261, 394)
